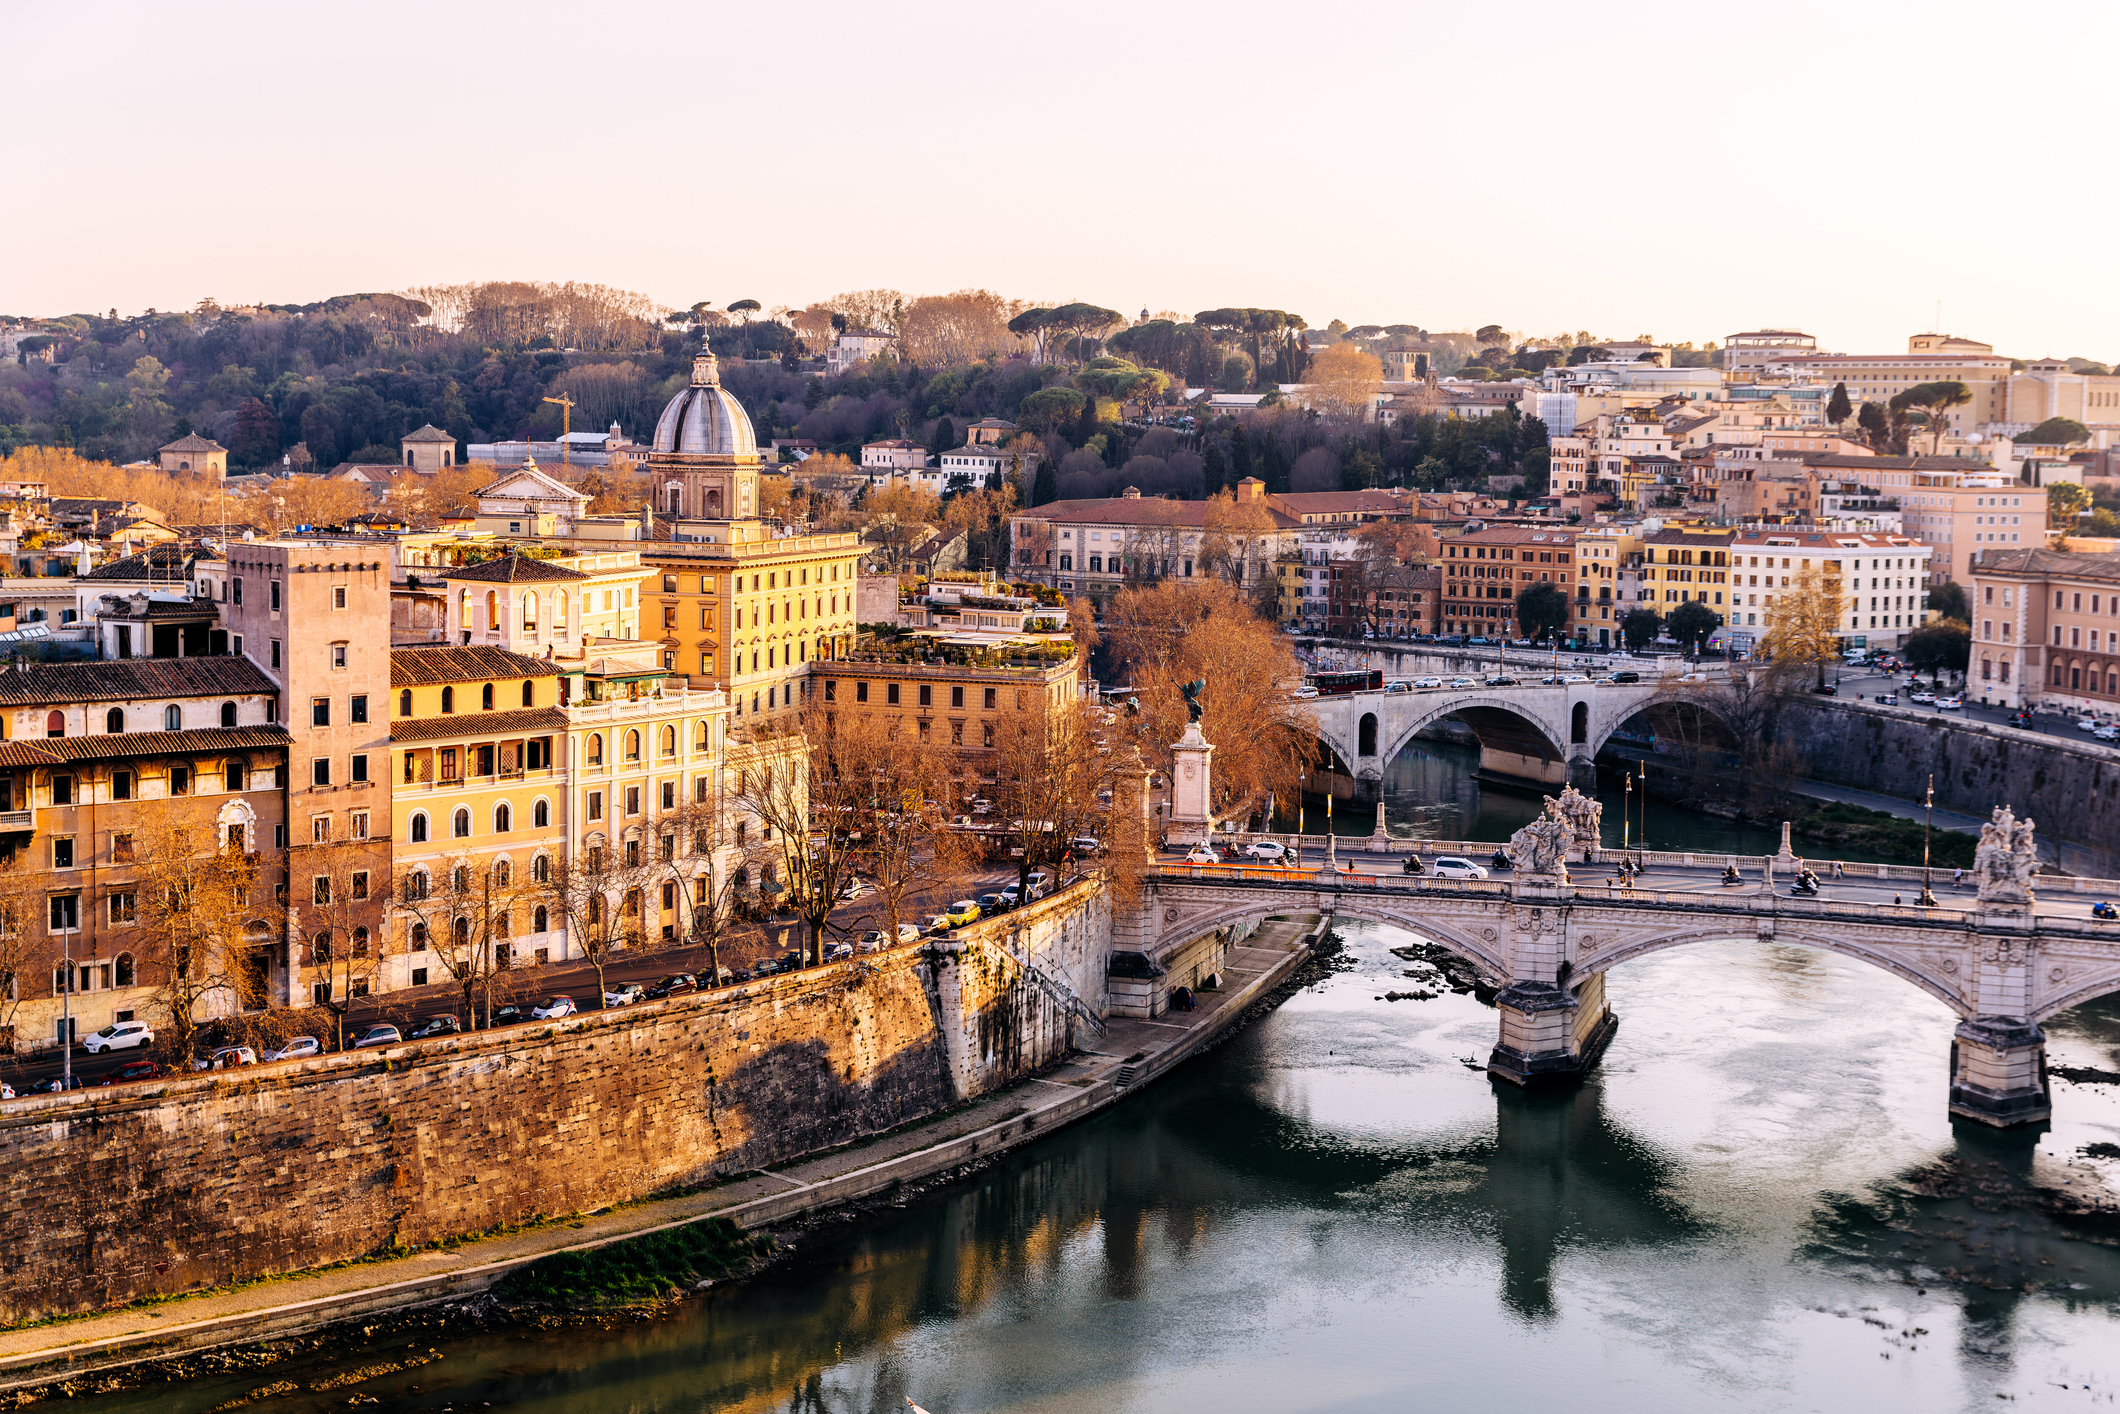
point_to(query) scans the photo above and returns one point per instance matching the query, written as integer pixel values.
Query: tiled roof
(1143, 510)
(522, 720)
(51, 684)
(192, 442)
(429, 433)
(418, 666)
(513, 569)
(2069, 563)
(108, 745)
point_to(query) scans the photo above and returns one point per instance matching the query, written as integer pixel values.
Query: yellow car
(961, 912)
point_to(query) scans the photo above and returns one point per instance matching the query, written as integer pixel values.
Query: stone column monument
(2000, 1076)
(1191, 816)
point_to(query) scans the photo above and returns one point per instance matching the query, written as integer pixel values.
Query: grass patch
(639, 1269)
(1887, 836)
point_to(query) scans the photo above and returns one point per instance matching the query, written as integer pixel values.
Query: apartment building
(1884, 579)
(1484, 570)
(111, 773)
(478, 804)
(2046, 629)
(1930, 358)
(965, 705)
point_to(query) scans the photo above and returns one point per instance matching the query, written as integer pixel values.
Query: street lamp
(1928, 802)
(1642, 843)
(1626, 819)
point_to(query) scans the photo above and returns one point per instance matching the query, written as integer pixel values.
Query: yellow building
(749, 613)
(1597, 604)
(476, 787)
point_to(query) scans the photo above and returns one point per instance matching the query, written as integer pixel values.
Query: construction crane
(566, 421)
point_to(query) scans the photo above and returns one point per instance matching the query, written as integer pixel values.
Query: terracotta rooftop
(51, 684)
(521, 720)
(424, 664)
(513, 569)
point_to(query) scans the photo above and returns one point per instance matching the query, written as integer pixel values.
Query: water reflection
(1757, 1204)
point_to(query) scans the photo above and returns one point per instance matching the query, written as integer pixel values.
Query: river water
(1756, 1203)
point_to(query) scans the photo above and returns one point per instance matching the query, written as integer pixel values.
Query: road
(576, 978)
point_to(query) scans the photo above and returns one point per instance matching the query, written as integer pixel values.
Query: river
(1755, 1204)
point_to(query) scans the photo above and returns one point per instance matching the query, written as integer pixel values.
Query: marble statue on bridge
(1540, 849)
(2006, 862)
(1585, 816)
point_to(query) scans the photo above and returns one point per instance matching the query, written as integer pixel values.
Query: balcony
(18, 820)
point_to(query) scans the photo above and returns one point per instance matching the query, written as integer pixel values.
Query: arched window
(595, 752)
(125, 969)
(503, 818)
(559, 609)
(461, 929)
(699, 735)
(530, 694)
(633, 746)
(540, 921)
(595, 910)
(503, 873)
(405, 703)
(419, 828)
(485, 697)
(541, 815)
(448, 699)
(228, 714)
(669, 741)
(464, 609)
(360, 942)
(172, 718)
(493, 609)
(460, 879)
(530, 612)
(460, 823)
(541, 872)
(55, 724)
(114, 720)
(419, 937)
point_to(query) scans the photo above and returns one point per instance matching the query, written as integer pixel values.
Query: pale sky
(1683, 170)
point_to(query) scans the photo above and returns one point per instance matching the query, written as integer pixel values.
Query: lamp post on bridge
(1626, 819)
(1928, 805)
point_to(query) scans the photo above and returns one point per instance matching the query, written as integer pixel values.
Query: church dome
(705, 419)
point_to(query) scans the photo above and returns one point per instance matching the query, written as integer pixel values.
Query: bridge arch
(1515, 737)
(2089, 989)
(1691, 721)
(1469, 946)
(1940, 984)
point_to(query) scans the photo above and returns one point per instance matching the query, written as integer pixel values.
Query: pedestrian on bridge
(1838, 872)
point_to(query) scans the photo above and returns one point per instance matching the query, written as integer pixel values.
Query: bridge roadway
(1546, 945)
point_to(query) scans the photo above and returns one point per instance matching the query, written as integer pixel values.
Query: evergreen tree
(1275, 467)
(1217, 472)
(1838, 408)
(1086, 426)
(945, 436)
(1239, 455)
(1045, 486)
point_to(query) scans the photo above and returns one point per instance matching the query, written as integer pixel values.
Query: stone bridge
(1548, 734)
(1547, 946)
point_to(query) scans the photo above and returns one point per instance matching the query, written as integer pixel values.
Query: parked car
(853, 888)
(730, 976)
(380, 1034)
(874, 939)
(907, 933)
(838, 952)
(1456, 866)
(1427, 682)
(938, 925)
(435, 1026)
(961, 912)
(1085, 845)
(54, 1084)
(1889, 699)
(118, 1036)
(1268, 850)
(1826, 689)
(1011, 897)
(132, 1070)
(1041, 879)
(509, 1014)
(295, 1049)
(229, 1057)
(624, 994)
(671, 985)
(552, 1008)
(766, 967)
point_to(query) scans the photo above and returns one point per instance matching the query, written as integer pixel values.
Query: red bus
(1356, 680)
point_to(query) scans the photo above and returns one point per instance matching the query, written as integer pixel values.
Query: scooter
(1806, 886)
(1731, 876)
(2104, 910)
(1413, 865)
(1500, 861)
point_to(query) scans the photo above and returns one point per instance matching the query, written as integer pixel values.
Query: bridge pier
(1998, 1072)
(1551, 1033)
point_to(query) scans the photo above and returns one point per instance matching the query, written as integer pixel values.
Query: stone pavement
(1131, 1052)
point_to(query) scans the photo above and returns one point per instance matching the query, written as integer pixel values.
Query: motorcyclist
(2102, 909)
(1730, 874)
(1413, 865)
(1500, 860)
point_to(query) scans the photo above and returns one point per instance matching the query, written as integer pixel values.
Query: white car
(2107, 733)
(1266, 850)
(1454, 866)
(853, 888)
(2087, 724)
(552, 1008)
(1574, 677)
(1946, 704)
(1304, 694)
(1398, 685)
(1427, 682)
(118, 1036)
(1201, 854)
(626, 994)
(1926, 699)
(380, 1034)
(1463, 682)
(295, 1049)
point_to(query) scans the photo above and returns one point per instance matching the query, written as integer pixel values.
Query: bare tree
(599, 894)
(803, 817)
(337, 921)
(201, 927)
(1051, 762)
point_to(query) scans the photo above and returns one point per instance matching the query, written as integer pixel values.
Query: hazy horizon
(1680, 173)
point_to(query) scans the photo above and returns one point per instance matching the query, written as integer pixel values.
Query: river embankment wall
(163, 1187)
